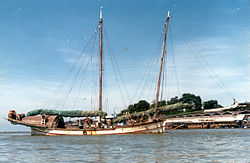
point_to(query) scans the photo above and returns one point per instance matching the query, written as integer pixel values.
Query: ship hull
(157, 127)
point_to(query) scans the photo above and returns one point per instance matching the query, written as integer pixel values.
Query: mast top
(101, 12)
(168, 14)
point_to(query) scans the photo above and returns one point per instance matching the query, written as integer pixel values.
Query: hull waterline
(158, 127)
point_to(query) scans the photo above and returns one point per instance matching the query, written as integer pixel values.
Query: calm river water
(212, 145)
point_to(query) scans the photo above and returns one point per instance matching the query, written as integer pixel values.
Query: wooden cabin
(50, 121)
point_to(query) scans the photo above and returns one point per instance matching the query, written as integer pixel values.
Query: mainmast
(162, 59)
(100, 73)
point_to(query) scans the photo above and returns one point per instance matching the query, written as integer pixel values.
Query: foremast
(162, 59)
(100, 71)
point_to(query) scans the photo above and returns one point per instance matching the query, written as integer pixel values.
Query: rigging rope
(173, 59)
(163, 74)
(116, 70)
(94, 92)
(146, 78)
(73, 83)
(205, 65)
(84, 72)
(105, 84)
(61, 85)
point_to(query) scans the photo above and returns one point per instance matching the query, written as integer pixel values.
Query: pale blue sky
(41, 39)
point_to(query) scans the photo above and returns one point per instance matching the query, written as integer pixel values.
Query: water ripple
(213, 145)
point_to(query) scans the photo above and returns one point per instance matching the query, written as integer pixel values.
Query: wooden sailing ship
(53, 124)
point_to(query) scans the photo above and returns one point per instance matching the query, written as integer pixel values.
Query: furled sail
(67, 113)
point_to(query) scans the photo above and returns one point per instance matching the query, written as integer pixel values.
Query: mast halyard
(100, 73)
(162, 59)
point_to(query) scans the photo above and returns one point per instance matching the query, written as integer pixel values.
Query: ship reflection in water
(219, 145)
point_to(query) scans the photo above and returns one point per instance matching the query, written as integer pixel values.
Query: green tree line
(195, 101)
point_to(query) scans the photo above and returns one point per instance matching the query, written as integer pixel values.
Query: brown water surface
(212, 145)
